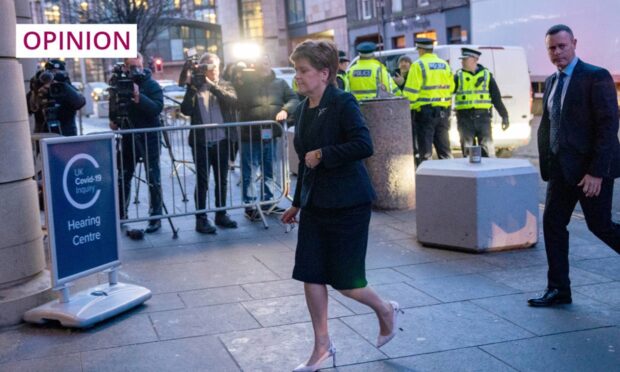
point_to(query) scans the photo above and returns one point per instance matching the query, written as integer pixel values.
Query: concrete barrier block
(7, 29)
(19, 215)
(13, 96)
(16, 300)
(16, 162)
(391, 168)
(477, 207)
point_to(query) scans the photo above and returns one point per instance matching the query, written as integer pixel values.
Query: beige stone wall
(228, 18)
(322, 15)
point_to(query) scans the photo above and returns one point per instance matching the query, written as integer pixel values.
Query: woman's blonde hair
(321, 54)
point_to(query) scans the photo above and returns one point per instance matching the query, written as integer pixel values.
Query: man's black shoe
(153, 226)
(203, 226)
(225, 221)
(550, 298)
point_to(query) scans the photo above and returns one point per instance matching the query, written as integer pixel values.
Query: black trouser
(206, 156)
(140, 147)
(559, 205)
(414, 137)
(475, 123)
(432, 125)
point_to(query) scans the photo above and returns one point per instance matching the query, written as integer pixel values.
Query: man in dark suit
(579, 156)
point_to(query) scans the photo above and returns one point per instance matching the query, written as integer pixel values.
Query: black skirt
(331, 246)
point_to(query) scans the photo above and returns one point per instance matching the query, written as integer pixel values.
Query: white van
(508, 65)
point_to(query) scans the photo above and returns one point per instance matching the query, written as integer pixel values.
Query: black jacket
(145, 113)
(262, 99)
(70, 102)
(340, 180)
(588, 134)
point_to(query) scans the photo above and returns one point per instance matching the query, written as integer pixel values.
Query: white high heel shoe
(382, 340)
(331, 352)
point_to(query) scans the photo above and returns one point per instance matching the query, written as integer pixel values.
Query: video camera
(56, 78)
(121, 91)
(198, 71)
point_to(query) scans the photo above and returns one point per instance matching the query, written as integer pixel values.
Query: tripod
(139, 157)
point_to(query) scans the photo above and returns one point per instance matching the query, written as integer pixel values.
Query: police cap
(55, 64)
(424, 43)
(367, 47)
(469, 52)
(342, 56)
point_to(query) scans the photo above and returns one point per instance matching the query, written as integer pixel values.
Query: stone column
(24, 282)
(391, 168)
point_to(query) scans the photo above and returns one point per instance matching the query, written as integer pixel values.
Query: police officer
(429, 88)
(369, 77)
(476, 92)
(341, 76)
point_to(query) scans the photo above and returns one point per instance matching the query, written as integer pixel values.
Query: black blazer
(588, 135)
(340, 180)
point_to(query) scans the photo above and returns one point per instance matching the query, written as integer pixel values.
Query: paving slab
(285, 347)
(440, 327)
(29, 341)
(65, 363)
(214, 296)
(404, 294)
(534, 278)
(161, 302)
(202, 321)
(462, 287)
(386, 254)
(280, 263)
(461, 360)
(287, 310)
(608, 267)
(189, 354)
(276, 288)
(516, 259)
(593, 350)
(608, 293)
(583, 313)
(442, 269)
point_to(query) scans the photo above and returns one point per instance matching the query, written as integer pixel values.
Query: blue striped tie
(556, 111)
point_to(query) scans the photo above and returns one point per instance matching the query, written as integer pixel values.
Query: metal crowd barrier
(178, 171)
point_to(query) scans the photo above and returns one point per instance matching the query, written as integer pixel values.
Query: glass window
(252, 18)
(423, 2)
(431, 34)
(454, 35)
(296, 11)
(366, 8)
(398, 42)
(397, 6)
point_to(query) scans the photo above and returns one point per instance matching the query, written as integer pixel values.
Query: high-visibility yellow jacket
(429, 82)
(343, 76)
(473, 90)
(366, 76)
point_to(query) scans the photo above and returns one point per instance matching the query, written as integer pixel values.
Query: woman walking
(334, 195)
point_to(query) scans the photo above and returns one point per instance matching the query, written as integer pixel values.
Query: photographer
(136, 100)
(209, 100)
(53, 100)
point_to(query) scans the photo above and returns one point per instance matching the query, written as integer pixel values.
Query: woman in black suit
(334, 195)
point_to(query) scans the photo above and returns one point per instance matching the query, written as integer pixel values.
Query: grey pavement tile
(387, 254)
(202, 321)
(405, 295)
(379, 233)
(286, 310)
(407, 215)
(608, 293)
(591, 250)
(460, 360)
(65, 363)
(384, 276)
(220, 272)
(433, 254)
(534, 278)
(517, 258)
(608, 267)
(593, 350)
(279, 262)
(583, 313)
(277, 288)
(439, 328)
(190, 354)
(27, 341)
(463, 287)
(214, 296)
(161, 302)
(441, 269)
(285, 347)
(384, 218)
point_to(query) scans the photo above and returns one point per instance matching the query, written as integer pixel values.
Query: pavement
(227, 302)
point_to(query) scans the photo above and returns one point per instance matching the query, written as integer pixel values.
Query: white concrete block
(16, 162)
(481, 207)
(7, 30)
(12, 94)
